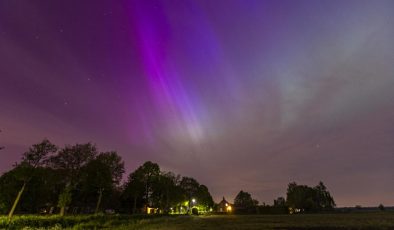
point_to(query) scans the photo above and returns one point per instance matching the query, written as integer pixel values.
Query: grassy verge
(71, 222)
(359, 221)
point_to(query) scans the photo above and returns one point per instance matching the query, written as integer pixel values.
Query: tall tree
(190, 186)
(140, 185)
(244, 202)
(204, 198)
(133, 193)
(166, 191)
(115, 165)
(101, 175)
(70, 160)
(302, 198)
(37, 155)
(323, 197)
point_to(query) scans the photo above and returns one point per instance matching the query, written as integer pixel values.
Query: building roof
(223, 202)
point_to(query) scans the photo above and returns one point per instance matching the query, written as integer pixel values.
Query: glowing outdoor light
(194, 200)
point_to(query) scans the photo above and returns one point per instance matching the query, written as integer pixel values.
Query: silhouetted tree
(115, 166)
(101, 175)
(70, 160)
(204, 198)
(190, 188)
(10, 184)
(244, 203)
(37, 156)
(301, 198)
(40, 192)
(132, 195)
(166, 192)
(323, 199)
(78, 177)
(140, 184)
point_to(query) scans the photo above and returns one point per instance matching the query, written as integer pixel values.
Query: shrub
(194, 211)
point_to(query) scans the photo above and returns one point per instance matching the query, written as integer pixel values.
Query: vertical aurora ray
(183, 64)
(176, 105)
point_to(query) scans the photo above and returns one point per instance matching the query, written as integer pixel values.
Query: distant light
(194, 200)
(226, 204)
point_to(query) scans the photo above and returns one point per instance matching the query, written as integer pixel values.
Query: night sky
(246, 94)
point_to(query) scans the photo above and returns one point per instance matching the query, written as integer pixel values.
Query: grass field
(252, 222)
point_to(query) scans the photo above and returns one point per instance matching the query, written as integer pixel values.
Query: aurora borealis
(238, 94)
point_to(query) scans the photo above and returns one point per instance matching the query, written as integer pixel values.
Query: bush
(194, 211)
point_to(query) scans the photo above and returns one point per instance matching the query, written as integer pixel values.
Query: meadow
(362, 221)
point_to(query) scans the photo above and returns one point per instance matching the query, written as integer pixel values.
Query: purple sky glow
(241, 94)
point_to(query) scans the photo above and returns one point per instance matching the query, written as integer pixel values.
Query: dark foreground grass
(359, 221)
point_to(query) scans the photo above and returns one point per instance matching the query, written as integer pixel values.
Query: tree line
(80, 179)
(299, 199)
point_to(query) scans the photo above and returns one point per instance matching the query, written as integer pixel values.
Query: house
(224, 206)
(151, 210)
